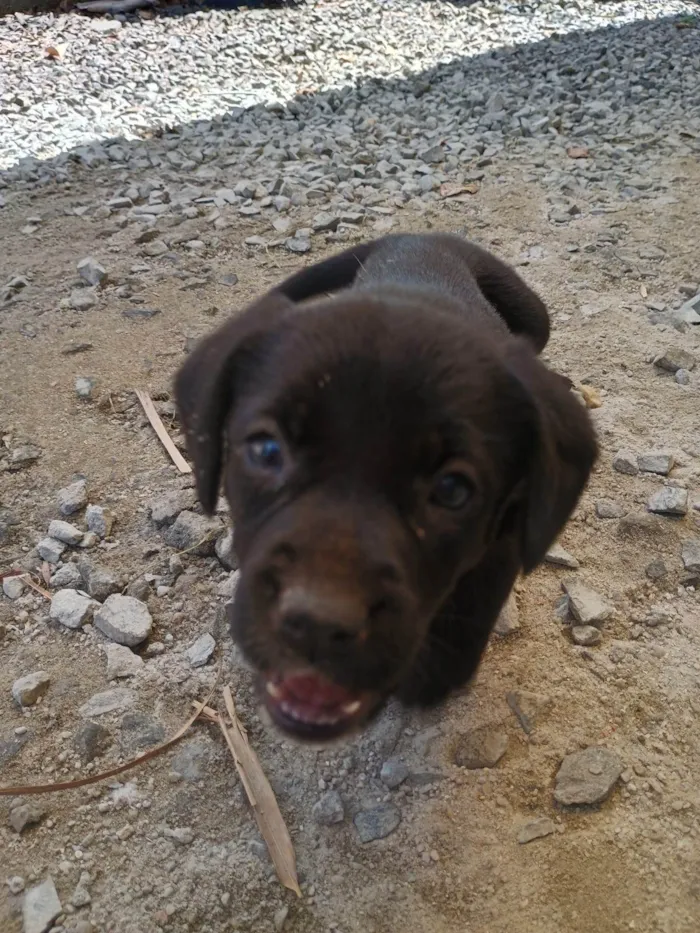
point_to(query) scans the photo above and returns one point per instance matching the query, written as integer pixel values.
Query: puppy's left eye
(265, 451)
(452, 491)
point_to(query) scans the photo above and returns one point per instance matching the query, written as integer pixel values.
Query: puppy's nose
(315, 623)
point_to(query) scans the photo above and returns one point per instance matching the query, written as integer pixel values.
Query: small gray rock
(377, 823)
(81, 895)
(394, 772)
(99, 520)
(508, 620)
(280, 918)
(41, 907)
(50, 550)
(109, 701)
(298, 244)
(165, 509)
(73, 498)
(587, 777)
(15, 884)
(67, 577)
(121, 662)
(674, 359)
(91, 740)
(65, 532)
(606, 508)
(329, 809)
(124, 619)
(201, 650)
(91, 271)
(656, 461)
(193, 533)
(656, 569)
(625, 461)
(669, 500)
(682, 377)
(84, 386)
(480, 748)
(529, 708)
(23, 456)
(30, 688)
(535, 829)
(560, 557)
(13, 587)
(690, 554)
(98, 582)
(72, 609)
(587, 635)
(26, 814)
(82, 299)
(587, 606)
(141, 731)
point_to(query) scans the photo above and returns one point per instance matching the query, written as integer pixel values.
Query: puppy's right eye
(265, 452)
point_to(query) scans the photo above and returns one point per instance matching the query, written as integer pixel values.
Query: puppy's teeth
(273, 690)
(351, 708)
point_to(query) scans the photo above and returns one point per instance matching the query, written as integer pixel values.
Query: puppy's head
(372, 449)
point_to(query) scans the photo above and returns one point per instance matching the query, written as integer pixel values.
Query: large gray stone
(193, 533)
(65, 532)
(124, 619)
(587, 777)
(72, 609)
(669, 500)
(41, 907)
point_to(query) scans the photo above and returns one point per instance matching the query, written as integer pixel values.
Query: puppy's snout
(316, 621)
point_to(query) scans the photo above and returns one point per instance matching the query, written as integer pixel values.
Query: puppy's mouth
(308, 705)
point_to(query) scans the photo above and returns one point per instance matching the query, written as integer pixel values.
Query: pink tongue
(315, 690)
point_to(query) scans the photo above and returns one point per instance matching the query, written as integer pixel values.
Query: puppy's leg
(460, 631)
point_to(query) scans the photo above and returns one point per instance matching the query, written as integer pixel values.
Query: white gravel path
(117, 79)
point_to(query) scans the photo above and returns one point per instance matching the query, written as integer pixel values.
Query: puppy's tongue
(310, 698)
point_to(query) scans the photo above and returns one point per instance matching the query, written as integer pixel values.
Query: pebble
(201, 650)
(25, 815)
(669, 500)
(73, 498)
(587, 777)
(99, 520)
(224, 550)
(82, 299)
(72, 609)
(480, 748)
(27, 690)
(377, 822)
(587, 606)
(682, 377)
(656, 569)
(23, 456)
(529, 708)
(393, 773)
(16, 884)
(41, 907)
(84, 386)
(656, 461)
(625, 461)
(124, 619)
(122, 662)
(91, 271)
(65, 532)
(280, 918)
(690, 555)
(81, 895)
(193, 533)
(329, 809)
(50, 550)
(91, 740)
(560, 557)
(587, 635)
(182, 835)
(109, 701)
(165, 509)
(535, 829)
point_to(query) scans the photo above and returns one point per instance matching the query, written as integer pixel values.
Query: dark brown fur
(426, 355)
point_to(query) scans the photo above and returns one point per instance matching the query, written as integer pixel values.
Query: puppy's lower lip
(351, 708)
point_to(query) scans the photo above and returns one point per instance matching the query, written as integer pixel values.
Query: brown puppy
(394, 457)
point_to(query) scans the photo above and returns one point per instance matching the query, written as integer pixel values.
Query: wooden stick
(158, 426)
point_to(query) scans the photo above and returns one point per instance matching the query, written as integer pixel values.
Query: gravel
(124, 619)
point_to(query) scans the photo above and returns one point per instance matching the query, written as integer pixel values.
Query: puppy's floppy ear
(329, 275)
(564, 453)
(205, 386)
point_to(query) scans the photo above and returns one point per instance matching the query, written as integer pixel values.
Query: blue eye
(265, 451)
(452, 491)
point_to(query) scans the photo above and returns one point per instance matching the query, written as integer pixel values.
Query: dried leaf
(262, 798)
(450, 189)
(578, 152)
(158, 426)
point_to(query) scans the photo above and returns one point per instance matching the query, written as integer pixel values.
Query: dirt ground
(454, 865)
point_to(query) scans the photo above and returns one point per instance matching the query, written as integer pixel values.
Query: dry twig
(158, 426)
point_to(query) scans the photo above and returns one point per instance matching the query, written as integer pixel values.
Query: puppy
(394, 455)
